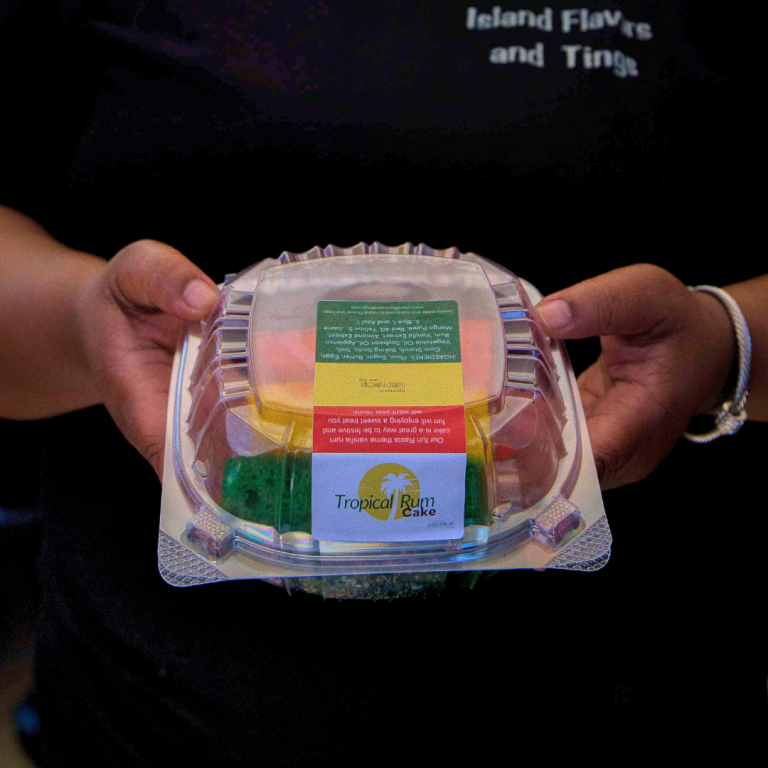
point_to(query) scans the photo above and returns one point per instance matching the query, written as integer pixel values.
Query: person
(108, 331)
(191, 141)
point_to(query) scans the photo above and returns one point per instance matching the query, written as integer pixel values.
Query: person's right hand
(130, 314)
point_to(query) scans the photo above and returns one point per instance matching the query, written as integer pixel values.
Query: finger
(593, 384)
(630, 433)
(138, 402)
(641, 299)
(615, 426)
(611, 447)
(153, 276)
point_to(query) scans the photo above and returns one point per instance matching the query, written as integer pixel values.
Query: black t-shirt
(559, 141)
(199, 123)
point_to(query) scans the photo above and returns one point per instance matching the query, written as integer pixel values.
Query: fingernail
(555, 314)
(198, 294)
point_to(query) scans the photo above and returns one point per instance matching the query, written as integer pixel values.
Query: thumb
(154, 276)
(632, 300)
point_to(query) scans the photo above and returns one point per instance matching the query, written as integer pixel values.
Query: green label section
(387, 332)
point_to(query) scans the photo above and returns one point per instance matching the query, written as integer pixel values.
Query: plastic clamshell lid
(243, 386)
(284, 315)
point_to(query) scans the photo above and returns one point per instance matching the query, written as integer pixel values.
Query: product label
(389, 447)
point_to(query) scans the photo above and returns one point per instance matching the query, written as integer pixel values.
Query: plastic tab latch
(558, 519)
(209, 535)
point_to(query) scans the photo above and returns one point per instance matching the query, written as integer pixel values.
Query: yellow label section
(388, 384)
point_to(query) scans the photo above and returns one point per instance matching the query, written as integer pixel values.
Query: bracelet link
(727, 422)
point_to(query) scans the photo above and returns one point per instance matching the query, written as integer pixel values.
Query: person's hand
(130, 314)
(666, 354)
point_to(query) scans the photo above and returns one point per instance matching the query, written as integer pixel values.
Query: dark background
(670, 628)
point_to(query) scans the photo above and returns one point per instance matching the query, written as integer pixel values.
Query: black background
(671, 625)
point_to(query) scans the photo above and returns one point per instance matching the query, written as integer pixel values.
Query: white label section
(384, 497)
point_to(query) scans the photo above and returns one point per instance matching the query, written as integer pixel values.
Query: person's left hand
(666, 354)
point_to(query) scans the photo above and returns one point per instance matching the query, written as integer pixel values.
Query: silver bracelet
(732, 413)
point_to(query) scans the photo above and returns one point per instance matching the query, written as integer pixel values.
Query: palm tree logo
(395, 484)
(384, 486)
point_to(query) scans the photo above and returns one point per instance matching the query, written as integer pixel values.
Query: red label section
(424, 429)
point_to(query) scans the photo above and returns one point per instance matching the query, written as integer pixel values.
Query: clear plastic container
(242, 429)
